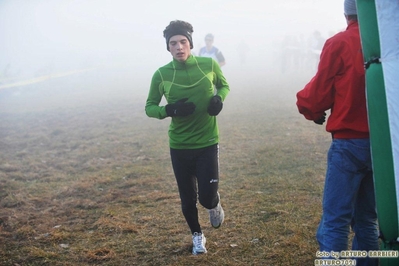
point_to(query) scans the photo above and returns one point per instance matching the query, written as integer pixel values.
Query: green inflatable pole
(379, 30)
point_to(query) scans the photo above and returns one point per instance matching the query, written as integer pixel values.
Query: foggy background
(60, 45)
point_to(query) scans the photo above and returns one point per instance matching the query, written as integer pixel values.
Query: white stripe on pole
(388, 26)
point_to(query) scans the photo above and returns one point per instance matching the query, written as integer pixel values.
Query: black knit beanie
(178, 27)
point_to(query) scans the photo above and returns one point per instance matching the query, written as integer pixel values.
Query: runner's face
(208, 42)
(179, 47)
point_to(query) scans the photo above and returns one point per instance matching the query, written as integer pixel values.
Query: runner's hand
(180, 108)
(215, 105)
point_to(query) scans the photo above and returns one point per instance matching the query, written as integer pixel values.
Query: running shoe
(199, 241)
(216, 215)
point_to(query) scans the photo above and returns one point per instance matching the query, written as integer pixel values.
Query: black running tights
(197, 173)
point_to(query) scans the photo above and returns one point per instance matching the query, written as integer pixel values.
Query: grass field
(86, 178)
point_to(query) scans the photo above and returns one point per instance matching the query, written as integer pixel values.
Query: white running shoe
(199, 241)
(216, 215)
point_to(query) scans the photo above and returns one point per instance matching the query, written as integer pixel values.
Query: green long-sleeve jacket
(195, 79)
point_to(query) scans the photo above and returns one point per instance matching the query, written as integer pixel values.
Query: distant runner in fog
(316, 43)
(348, 200)
(291, 51)
(188, 84)
(211, 51)
(242, 49)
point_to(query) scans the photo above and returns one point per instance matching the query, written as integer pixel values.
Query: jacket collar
(352, 23)
(182, 65)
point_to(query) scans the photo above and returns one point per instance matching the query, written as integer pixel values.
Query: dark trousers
(197, 174)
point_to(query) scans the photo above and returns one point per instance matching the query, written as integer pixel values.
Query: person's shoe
(199, 241)
(216, 215)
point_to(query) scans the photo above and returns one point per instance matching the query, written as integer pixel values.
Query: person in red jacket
(339, 86)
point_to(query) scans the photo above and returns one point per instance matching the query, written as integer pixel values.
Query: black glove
(321, 120)
(180, 108)
(215, 105)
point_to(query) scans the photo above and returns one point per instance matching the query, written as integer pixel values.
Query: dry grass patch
(92, 184)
